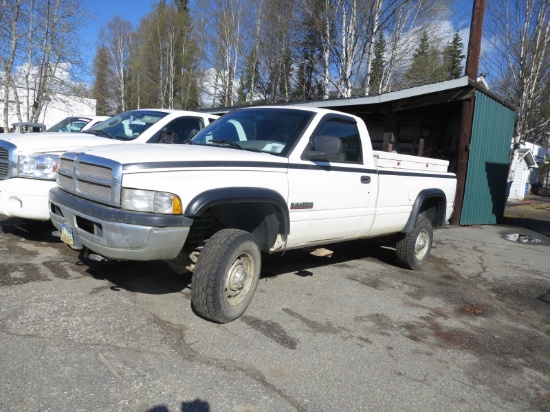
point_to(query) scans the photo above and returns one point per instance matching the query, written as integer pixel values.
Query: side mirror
(324, 148)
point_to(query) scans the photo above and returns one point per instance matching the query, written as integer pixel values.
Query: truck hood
(155, 153)
(56, 142)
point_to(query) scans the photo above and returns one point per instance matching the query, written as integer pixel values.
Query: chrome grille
(94, 190)
(98, 172)
(65, 182)
(66, 165)
(91, 177)
(8, 160)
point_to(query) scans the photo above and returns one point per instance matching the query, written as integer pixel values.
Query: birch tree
(519, 33)
(115, 39)
(223, 52)
(346, 51)
(375, 13)
(39, 52)
(11, 24)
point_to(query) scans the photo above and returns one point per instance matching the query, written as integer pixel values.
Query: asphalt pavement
(470, 331)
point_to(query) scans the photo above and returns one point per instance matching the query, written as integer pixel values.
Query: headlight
(38, 166)
(151, 201)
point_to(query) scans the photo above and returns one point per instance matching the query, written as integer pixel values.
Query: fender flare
(214, 197)
(420, 198)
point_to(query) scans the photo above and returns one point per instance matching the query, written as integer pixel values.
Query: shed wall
(488, 163)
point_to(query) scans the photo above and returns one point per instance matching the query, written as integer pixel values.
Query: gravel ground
(470, 331)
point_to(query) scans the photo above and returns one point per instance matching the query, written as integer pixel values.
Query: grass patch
(542, 206)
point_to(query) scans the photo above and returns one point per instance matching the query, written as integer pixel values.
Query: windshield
(127, 126)
(268, 130)
(70, 124)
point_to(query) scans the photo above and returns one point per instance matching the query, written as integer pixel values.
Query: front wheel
(226, 275)
(413, 249)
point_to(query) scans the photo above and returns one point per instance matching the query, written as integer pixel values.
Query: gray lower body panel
(118, 234)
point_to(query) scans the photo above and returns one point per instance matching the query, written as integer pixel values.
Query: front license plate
(67, 235)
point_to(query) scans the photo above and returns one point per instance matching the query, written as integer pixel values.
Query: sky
(104, 10)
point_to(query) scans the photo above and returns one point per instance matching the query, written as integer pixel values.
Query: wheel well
(262, 219)
(431, 209)
(431, 204)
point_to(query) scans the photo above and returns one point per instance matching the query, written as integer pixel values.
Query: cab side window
(184, 129)
(348, 134)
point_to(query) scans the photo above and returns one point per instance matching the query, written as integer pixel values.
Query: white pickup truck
(28, 162)
(263, 179)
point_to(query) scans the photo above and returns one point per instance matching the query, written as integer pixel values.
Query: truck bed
(387, 160)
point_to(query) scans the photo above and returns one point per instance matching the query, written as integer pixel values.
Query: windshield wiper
(102, 132)
(230, 143)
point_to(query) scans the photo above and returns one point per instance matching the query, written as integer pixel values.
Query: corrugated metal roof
(424, 90)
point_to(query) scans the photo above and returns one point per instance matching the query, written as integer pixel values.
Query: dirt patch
(532, 213)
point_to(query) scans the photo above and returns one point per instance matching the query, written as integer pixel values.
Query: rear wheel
(413, 249)
(226, 275)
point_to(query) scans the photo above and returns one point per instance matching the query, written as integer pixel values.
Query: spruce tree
(378, 62)
(453, 58)
(101, 91)
(250, 71)
(426, 66)
(307, 85)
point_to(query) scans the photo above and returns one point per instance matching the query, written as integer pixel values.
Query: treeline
(237, 52)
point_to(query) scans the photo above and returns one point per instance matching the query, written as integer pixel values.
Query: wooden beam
(389, 135)
(463, 152)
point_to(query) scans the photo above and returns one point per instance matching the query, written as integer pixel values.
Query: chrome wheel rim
(239, 279)
(421, 244)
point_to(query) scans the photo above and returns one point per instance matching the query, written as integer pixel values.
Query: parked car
(28, 163)
(76, 123)
(28, 127)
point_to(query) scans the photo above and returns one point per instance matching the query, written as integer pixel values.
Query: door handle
(365, 179)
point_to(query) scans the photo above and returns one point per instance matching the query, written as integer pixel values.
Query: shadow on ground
(533, 213)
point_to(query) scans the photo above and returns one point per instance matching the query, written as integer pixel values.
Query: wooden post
(474, 44)
(421, 146)
(472, 66)
(389, 136)
(463, 151)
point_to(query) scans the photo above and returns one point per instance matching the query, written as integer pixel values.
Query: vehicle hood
(176, 155)
(55, 142)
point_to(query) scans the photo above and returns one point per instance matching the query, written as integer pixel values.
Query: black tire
(226, 275)
(413, 249)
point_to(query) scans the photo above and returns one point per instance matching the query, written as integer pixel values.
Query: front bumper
(116, 233)
(25, 198)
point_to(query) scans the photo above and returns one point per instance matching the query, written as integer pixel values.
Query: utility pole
(472, 67)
